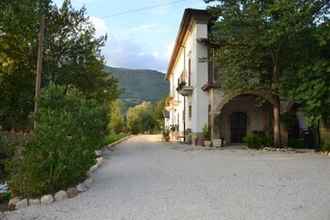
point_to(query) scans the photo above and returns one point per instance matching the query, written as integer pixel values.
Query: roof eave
(187, 17)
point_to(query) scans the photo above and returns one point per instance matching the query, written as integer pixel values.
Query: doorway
(238, 126)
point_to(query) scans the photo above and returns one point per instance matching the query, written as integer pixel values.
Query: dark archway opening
(238, 127)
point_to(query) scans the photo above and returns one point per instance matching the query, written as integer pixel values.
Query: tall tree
(259, 40)
(140, 118)
(117, 119)
(73, 53)
(308, 82)
(72, 56)
(18, 27)
(158, 113)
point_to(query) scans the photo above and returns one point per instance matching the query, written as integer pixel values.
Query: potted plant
(207, 136)
(166, 135)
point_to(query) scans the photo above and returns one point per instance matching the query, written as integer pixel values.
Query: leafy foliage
(73, 53)
(140, 118)
(158, 114)
(117, 119)
(3, 155)
(68, 132)
(307, 82)
(113, 137)
(296, 143)
(257, 140)
(206, 133)
(18, 26)
(262, 41)
(72, 56)
(166, 135)
(326, 146)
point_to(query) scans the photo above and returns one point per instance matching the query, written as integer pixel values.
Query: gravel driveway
(145, 179)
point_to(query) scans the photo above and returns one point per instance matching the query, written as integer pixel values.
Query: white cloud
(100, 26)
(123, 51)
(126, 53)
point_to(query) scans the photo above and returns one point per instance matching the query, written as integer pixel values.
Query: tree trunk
(277, 100)
(41, 36)
(317, 136)
(277, 122)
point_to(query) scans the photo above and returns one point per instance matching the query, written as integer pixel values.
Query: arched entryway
(238, 126)
(243, 114)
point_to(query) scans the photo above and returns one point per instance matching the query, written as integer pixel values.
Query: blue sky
(140, 40)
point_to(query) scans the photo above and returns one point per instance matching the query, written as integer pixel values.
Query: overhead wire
(143, 9)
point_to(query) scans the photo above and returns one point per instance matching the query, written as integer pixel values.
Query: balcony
(210, 85)
(184, 89)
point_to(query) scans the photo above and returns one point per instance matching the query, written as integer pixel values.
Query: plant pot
(207, 143)
(218, 142)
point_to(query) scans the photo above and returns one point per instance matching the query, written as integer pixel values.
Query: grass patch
(112, 138)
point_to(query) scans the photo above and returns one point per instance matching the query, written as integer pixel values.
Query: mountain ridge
(139, 84)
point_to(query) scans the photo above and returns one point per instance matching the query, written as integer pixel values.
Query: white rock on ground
(72, 192)
(88, 182)
(145, 179)
(98, 153)
(61, 195)
(22, 204)
(99, 161)
(34, 202)
(47, 199)
(92, 169)
(82, 187)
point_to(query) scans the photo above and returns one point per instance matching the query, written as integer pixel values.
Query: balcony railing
(184, 89)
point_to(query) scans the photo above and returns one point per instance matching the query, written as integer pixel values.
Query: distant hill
(140, 85)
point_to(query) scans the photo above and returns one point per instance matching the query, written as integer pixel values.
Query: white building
(188, 105)
(196, 99)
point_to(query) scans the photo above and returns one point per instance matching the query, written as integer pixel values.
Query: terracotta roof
(188, 16)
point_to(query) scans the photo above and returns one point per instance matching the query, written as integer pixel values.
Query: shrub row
(257, 140)
(69, 129)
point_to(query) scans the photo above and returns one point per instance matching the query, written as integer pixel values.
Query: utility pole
(41, 37)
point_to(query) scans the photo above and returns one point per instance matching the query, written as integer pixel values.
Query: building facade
(196, 101)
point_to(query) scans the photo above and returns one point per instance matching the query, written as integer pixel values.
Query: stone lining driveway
(145, 179)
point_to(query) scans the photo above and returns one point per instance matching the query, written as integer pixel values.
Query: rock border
(293, 150)
(288, 149)
(22, 203)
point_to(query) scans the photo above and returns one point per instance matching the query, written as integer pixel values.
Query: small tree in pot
(166, 135)
(207, 136)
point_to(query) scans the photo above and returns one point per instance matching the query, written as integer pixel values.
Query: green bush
(166, 135)
(296, 143)
(206, 133)
(116, 120)
(257, 140)
(140, 119)
(70, 128)
(6, 153)
(326, 145)
(113, 137)
(3, 155)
